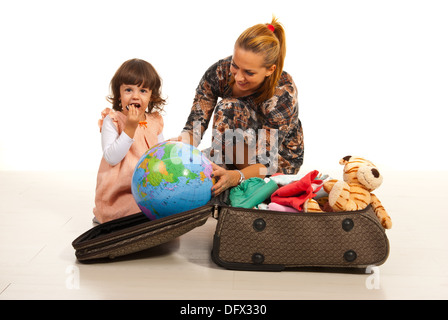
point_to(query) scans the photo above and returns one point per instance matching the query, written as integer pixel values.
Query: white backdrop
(372, 76)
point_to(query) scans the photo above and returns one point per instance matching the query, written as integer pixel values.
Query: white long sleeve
(115, 146)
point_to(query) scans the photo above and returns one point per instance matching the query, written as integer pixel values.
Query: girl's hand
(225, 179)
(133, 115)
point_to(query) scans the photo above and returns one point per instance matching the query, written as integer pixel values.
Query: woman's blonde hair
(269, 40)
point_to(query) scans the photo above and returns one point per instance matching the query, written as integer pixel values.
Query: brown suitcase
(250, 239)
(247, 239)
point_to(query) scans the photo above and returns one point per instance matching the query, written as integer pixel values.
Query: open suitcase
(251, 239)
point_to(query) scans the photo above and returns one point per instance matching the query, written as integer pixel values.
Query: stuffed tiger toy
(354, 193)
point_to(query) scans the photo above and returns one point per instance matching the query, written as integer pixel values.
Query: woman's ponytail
(273, 79)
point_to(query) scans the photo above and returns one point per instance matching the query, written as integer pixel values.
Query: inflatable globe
(170, 178)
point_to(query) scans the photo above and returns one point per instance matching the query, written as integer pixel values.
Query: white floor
(41, 213)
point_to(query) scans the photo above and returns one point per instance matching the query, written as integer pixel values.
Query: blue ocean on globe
(170, 178)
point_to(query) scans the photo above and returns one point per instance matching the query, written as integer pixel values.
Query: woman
(256, 128)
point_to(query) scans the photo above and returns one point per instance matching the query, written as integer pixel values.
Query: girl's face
(248, 70)
(136, 95)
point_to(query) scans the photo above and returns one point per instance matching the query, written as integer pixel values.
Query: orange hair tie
(271, 27)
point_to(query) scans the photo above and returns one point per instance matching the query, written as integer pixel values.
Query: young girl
(127, 132)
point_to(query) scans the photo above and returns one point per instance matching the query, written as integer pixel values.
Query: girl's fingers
(133, 111)
(132, 105)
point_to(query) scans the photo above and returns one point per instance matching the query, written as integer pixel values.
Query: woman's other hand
(225, 179)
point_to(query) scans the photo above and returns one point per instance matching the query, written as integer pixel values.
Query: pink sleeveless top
(113, 198)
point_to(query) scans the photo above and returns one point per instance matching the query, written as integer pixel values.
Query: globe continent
(170, 178)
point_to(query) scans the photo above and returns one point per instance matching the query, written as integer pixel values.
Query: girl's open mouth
(137, 105)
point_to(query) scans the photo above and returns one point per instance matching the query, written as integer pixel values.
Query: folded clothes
(283, 179)
(251, 192)
(296, 193)
(278, 207)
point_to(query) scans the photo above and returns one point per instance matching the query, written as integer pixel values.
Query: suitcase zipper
(215, 211)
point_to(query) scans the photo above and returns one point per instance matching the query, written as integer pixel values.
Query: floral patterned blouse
(278, 116)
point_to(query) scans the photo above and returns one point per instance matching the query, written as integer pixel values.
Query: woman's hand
(184, 137)
(225, 179)
(176, 139)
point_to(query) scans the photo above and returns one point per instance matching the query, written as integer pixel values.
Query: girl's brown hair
(272, 44)
(141, 73)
